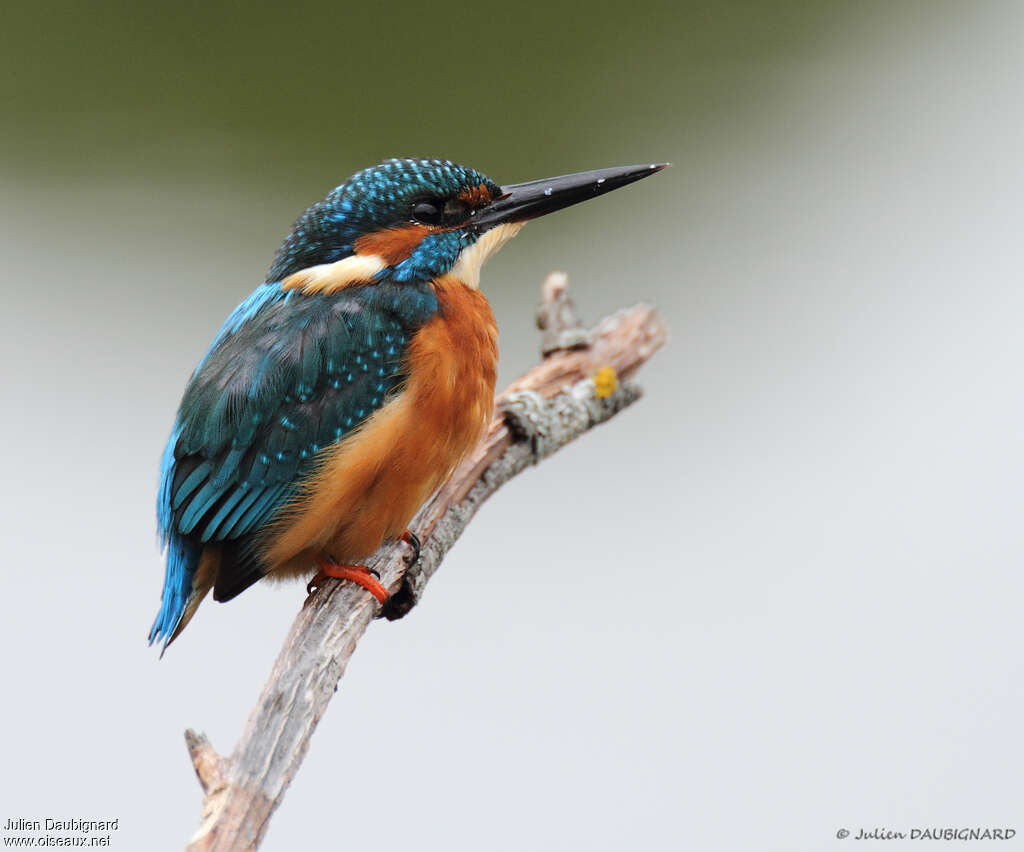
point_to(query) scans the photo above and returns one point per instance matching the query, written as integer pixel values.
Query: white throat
(472, 258)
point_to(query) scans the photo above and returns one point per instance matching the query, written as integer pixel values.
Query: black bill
(521, 201)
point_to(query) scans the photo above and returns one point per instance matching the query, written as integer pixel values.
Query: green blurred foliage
(266, 92)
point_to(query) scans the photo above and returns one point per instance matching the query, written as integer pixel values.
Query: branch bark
(579, 384)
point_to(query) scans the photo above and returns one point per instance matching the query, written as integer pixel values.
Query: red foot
(359, 574)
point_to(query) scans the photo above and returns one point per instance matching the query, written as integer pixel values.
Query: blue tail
(182, 560)
(182, 555)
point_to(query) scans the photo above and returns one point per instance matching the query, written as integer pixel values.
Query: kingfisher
(347, 387)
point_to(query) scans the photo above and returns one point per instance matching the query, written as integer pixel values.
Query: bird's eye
(429, 211)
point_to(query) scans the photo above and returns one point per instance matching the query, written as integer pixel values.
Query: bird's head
(417, 219)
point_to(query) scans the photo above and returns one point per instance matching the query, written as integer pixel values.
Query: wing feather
(288, 375)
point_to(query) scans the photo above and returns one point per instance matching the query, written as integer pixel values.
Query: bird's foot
(359, 574)
(413, 540)
(409, 592)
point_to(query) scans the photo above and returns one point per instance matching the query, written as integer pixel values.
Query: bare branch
(549, 406)
(208, 764)
(556, 317)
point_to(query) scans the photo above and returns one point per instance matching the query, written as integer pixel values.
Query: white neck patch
(471, 259)
(332, 277)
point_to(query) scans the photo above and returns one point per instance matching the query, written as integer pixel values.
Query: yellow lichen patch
(606, 382)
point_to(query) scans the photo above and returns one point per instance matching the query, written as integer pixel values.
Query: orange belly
(368, 487)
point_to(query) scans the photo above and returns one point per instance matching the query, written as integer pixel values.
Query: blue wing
(288, 375)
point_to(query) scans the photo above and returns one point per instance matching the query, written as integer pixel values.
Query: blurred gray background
(779, 596)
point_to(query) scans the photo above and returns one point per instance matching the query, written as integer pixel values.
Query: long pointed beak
(521, 201)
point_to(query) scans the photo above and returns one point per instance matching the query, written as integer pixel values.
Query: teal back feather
(289, 375)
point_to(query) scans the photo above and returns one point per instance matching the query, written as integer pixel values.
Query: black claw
(413, 541)
(406, 597)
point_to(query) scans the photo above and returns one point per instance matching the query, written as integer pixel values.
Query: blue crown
(375, 198)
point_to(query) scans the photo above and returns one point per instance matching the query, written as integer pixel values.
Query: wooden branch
(556, 317)
(569, 392)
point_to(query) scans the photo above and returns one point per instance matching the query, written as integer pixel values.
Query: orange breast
(370, 485)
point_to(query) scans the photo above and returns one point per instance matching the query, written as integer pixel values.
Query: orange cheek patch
(476, 196)
(392, 245)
